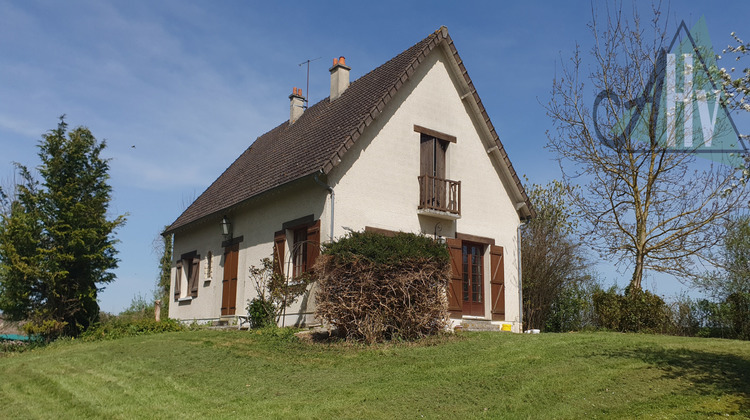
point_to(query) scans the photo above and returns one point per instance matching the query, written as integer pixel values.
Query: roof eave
(470, 94)
(172, 229)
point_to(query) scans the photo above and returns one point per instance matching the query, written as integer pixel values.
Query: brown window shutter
(194, 276)
(455, 293)
(278, 252)
(313, 244)
(439, 186)
(229, 280)
(177, 280)
(425, 155)
(497, 282)
(440, 147)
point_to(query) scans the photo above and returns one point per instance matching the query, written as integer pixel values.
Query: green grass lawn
(236, 374)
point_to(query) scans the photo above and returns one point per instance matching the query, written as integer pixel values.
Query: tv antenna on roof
(307, 88)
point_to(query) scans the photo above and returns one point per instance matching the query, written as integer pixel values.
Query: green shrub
(119, 328)
(684, 319)
(140, 308)
(739, 314)
(713, 319)
(18, 346)
(633, 311)
(572, 310)
(275, 292)
(387, 250)
(607, 308)
(273, 334)
(373, 287)
(11, 346)
(261, 313)
(48, 329)
(643, 311)
(705, 318)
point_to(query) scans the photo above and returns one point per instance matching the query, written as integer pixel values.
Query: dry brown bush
(374, 302)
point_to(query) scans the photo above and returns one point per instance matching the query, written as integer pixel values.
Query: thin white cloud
(137, 83)
(22, 127)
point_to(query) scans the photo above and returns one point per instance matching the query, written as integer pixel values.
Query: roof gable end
(320, 138)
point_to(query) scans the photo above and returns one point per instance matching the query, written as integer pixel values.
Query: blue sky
(191, 84)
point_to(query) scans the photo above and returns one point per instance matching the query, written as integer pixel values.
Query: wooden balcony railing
(439, 194)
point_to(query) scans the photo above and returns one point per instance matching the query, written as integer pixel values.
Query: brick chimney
(339, 77)
(296, 105)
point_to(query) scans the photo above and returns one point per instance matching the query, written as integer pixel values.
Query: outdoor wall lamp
(226, 226)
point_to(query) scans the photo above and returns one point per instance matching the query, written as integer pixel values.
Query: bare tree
(738, 91)
(7, 194)
(644, 204)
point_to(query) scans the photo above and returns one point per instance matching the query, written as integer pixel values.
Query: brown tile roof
(318, 140)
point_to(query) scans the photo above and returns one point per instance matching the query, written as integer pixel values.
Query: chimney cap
(339, 62)
(296, 92)
(296, 105)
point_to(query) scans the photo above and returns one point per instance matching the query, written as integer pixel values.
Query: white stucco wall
(256, 222)
(375, 185)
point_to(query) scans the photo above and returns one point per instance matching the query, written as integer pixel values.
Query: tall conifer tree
(57, 244)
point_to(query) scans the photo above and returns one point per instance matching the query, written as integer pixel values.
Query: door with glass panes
(473, 279)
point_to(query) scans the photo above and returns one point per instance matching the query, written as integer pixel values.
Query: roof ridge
(323, 134)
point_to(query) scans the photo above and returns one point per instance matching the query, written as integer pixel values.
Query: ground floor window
(299, 251)
(187, 273)
(302, 238)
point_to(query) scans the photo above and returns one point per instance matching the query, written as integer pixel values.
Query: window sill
(185, 299)
(293, 283)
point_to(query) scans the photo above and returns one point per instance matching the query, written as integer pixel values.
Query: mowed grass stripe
(232, 374)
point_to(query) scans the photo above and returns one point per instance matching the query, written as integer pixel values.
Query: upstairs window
(432, 156)
(436, 191)
(432, 171)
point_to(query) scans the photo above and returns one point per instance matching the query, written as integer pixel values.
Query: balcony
(439, 197)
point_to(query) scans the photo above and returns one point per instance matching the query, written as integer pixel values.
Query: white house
(406, 147)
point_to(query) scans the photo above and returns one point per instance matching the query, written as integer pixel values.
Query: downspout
(496, 149)
(333, 197)
(520, 264)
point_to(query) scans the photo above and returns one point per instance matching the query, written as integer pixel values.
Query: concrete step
(479, 325)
